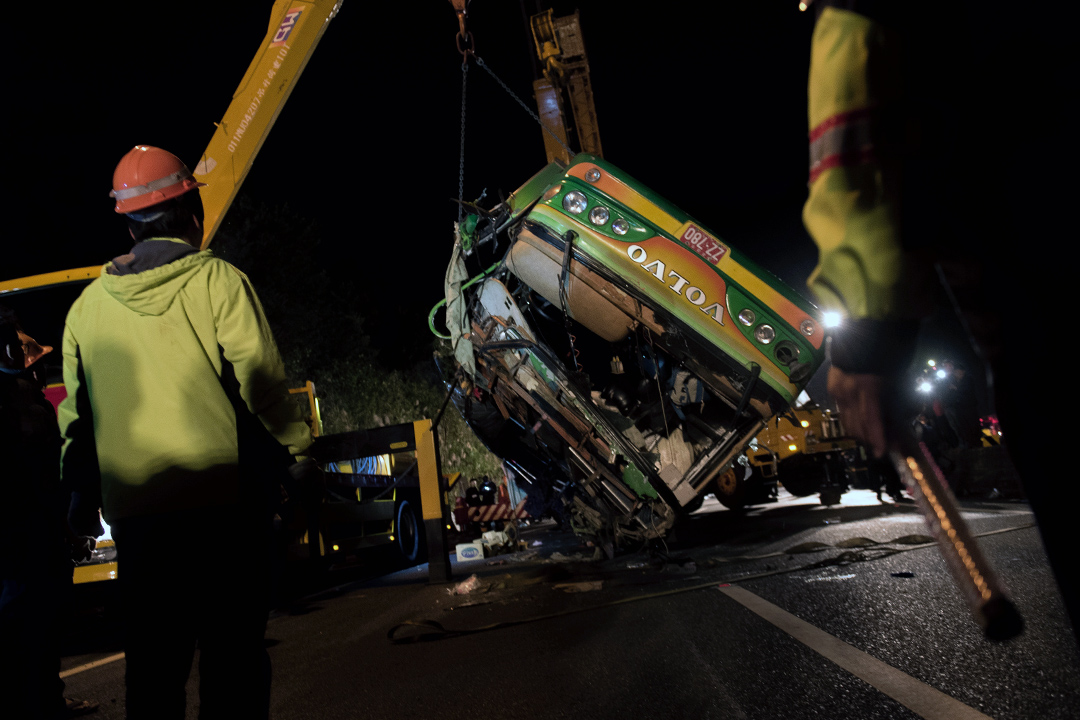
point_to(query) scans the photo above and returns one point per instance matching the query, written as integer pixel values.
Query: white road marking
(92, 665)
(913, 694)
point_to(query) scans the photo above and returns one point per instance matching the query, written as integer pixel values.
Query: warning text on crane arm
(288, 24)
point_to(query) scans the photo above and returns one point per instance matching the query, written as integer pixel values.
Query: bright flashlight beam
(925, 387)
(831, 319)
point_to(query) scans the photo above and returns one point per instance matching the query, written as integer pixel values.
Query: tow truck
(807, 451)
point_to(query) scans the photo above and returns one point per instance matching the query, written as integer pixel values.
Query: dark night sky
(707, 108)
(703, 102)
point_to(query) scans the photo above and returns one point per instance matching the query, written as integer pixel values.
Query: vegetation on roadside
(324, 336)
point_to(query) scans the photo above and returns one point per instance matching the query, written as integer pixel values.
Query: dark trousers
(30, 616)
(195, 579)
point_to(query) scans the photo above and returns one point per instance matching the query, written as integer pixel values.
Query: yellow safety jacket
(852, 212)
(144, 357)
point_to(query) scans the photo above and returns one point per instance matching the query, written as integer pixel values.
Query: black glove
(307, 474)
(82, 548)
(84, 516)
(304, 469)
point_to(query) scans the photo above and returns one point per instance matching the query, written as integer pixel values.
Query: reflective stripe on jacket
(852, 211)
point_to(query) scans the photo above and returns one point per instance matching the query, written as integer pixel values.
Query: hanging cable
(521, 102)
(465, 46)
(659, 388)
(461, 156)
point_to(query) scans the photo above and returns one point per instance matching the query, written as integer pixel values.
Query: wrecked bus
(614, 351)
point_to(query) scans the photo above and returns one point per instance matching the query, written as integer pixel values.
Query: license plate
(702, 243)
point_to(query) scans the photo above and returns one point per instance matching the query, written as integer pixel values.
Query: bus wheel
(731, 489)
(409, 535)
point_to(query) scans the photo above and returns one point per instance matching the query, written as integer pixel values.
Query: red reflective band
(844, 139)
(840, 119)
(856, 157)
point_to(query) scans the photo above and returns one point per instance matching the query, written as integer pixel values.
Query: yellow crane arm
(296, 26)
(58, 277)
(561, 48)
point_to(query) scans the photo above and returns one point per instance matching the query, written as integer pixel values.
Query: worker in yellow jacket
(934, 144)
(167, 357)
(853, 211)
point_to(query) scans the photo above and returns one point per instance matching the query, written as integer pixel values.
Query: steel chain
(520, 102)
(461, 157)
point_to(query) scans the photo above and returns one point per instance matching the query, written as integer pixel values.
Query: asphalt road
(785, 612)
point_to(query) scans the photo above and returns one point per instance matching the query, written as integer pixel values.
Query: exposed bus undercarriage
(606, 399)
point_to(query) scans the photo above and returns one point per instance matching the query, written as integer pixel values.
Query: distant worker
(36, 565)
(473, 499)
(960, 405)
(488, 491)
(914, 200)
(927, 433)
(472, 495)
(166, 359)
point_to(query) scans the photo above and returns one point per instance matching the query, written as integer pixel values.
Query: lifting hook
(464, 38)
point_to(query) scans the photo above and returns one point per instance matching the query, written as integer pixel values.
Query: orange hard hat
(32, 350)
(147, 176)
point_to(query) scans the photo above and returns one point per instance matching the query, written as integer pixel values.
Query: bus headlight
(764, 333)
(574, 202)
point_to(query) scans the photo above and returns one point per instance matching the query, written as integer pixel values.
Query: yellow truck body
(805, 431)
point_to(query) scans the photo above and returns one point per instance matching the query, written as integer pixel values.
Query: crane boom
(296, 26)
(560, 46)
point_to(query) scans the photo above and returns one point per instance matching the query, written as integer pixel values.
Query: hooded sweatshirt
(145, 348)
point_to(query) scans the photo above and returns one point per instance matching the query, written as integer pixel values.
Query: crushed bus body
(615, 352)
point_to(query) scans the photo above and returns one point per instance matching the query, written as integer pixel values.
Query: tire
(730, 489)
(830, 497)
(802, 475)
(409, 532)
(832, 487)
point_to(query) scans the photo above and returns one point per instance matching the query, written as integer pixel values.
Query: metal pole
(432, 501)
